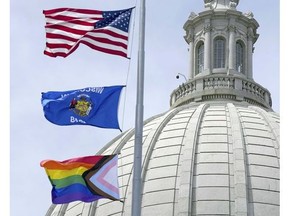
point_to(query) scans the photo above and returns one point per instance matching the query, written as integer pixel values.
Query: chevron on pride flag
(83, 179)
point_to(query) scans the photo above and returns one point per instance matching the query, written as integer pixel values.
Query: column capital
(207, 28)
(189, 37)
(231, 28)
(250, 33)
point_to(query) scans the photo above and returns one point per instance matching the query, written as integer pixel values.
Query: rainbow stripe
(67, 180)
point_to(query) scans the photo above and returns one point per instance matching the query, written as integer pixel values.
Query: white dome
(211, 158)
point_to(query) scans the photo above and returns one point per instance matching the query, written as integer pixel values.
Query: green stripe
(60, 183)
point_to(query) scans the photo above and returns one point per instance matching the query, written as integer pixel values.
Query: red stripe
(58, 45)
(105, 50)
(109, 51)
(69, 19)
(111, 33)
(107, 41)
(59, 36)
(87, 160)
(67, 29)
(52, 54)
(61, 54)
(83, 11)
(97, 39)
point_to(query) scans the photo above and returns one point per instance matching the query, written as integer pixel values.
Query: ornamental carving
(215, 4)
(234, 3)
(249, 15)
(207, 28)
(232, 28)
(250, 33)
(192, 16)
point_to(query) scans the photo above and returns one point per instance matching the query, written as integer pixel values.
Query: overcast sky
(33, 138)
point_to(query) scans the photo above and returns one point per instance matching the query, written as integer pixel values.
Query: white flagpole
(137, 182)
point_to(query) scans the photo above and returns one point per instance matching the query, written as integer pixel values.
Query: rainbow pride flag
(83, 179)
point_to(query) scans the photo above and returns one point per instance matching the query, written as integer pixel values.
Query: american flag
(105, 31)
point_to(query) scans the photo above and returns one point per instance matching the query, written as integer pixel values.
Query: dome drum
(234, 29)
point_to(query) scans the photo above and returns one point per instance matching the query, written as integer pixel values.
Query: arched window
(200, 58)
(239, 57)
(219, 53)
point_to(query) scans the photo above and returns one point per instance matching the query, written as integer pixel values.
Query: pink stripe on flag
(103, 174)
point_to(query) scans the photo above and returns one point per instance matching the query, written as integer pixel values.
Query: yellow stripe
(59, 174)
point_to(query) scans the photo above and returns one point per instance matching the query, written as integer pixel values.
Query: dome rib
(262, 163)
(113, 147)
(153, 138)
(121, 139)
(212, 166)
(50, 210)
(92, 209)
(127, 135)
(54, 212)
(149, 135)
(188, 156)
(272, 124)
(274, 128)
(239, 162)
(164, 161)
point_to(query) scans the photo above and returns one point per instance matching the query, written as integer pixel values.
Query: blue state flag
(96, 106)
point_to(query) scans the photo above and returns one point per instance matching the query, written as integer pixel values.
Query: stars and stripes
(105, 31)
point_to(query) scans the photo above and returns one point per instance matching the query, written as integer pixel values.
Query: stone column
(207, 47)
(250, 54)
(191, 56)
(232, 48)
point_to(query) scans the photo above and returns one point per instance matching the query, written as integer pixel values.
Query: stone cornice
(199, 19)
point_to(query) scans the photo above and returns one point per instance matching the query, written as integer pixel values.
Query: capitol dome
(216, 150)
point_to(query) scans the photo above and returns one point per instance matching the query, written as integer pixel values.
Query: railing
(185, 89)
(253, 89)
(219, 82)
(239, 88)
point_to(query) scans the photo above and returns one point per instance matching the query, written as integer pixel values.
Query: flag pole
(137, 182)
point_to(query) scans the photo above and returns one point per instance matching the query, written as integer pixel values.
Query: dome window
(239, 56)
(219, 53)
(200, 57)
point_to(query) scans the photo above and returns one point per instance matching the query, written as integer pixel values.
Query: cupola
(221, 43)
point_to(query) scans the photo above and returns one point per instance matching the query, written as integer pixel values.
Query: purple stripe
(74, 192)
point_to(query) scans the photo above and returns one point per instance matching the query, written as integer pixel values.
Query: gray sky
(33, 138)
